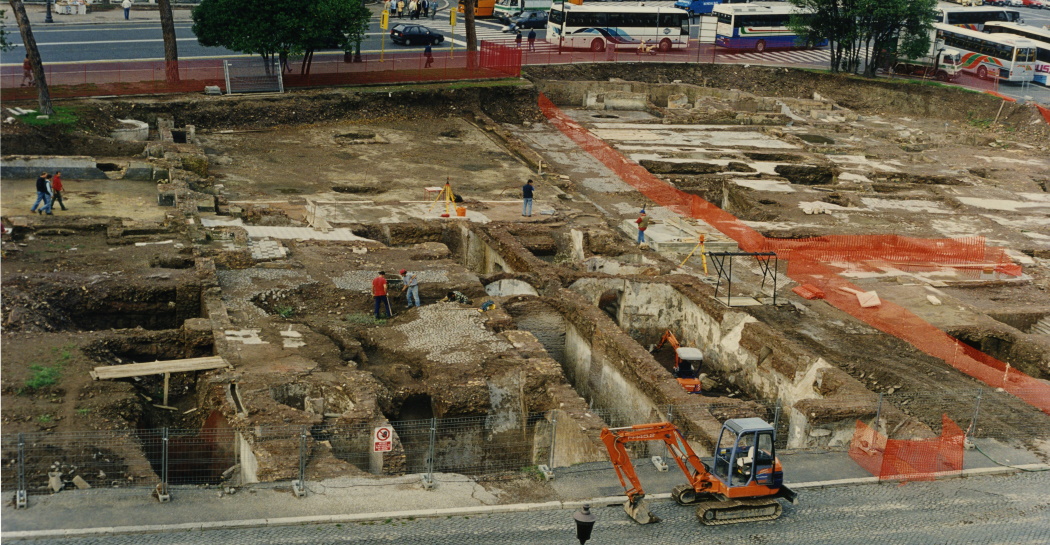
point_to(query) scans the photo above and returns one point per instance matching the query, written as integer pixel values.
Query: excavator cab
(746, 456)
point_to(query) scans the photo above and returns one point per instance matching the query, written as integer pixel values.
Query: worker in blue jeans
(643, 224)
(526, 199)
(411, 282)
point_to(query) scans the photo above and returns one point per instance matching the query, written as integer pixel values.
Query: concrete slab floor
(116, 198)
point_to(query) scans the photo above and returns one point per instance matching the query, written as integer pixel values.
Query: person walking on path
(429, 54)
(517, 39)
(532, 39)
(126, 4)
(27, 73)
(56, 189)
(643, 224)
(526, 199)
(411, 283)
(42, 194)
(379, 292)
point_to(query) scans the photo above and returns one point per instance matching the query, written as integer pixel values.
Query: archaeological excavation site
(861, 264)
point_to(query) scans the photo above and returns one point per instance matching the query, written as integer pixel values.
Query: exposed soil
(79, 293)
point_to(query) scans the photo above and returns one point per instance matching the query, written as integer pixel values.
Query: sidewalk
(139, 14)
(124, 511)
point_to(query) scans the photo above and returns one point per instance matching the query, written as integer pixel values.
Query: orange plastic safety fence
(910, 460)
(819, 260)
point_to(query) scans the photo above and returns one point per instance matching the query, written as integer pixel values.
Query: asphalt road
(1008, 510)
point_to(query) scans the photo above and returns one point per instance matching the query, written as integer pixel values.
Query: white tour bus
(601, 26)
(759, 26)
(1003, 56)
(974, 18)
(1040, 38)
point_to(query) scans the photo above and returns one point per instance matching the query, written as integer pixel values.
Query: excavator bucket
(639, 511)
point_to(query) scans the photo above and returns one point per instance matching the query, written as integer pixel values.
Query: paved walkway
(347, 500)
(139, 13)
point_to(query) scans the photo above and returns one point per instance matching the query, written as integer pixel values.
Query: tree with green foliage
(279, 28)
(4, 44)
(878, 30)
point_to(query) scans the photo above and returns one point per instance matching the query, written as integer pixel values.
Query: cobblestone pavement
(1012, 510)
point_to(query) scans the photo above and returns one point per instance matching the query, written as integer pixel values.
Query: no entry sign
(382, 439)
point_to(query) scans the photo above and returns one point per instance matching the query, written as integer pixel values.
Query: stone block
(675, 102)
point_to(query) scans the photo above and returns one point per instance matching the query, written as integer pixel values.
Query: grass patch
(45, 419)
(42, 377)
(364, 319)
(285, 312)
(83, 412)
(63, 117)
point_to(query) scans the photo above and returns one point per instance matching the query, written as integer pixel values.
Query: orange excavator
(687, 361)
(743, 486)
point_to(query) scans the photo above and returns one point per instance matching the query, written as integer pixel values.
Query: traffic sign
(384, 20)
(383, 439)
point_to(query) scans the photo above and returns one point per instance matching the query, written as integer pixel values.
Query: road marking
(155, 40)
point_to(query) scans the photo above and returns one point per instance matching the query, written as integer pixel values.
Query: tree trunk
(171, 47)
(43, 94)
(472, 35)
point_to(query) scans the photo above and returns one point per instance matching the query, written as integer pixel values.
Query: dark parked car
(532, 19)
(415, 35)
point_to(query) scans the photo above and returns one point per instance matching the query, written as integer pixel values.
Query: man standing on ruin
(643, 224)
(526, 199)
(379, 292)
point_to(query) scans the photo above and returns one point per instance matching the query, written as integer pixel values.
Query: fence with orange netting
(909, 460)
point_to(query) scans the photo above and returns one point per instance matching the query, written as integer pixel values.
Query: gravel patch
(451, 333)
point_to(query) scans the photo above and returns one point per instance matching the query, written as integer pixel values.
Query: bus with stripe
(759, 26)
(1002, 56)
(1040, 38)
(601, 26)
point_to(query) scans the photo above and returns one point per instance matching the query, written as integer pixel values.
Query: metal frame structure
(718, 259)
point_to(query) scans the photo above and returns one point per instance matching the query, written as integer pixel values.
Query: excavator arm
(677, 447)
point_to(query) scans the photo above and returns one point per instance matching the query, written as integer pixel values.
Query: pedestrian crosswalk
(794, 56)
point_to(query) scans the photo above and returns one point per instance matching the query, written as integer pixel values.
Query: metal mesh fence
(491, 447)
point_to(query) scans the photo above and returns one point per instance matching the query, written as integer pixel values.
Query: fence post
(670, 413)
(428, 479)
(973, 420)
(776, 415)
(878, 414)
(22, 494)
(163, 494)
(299, 486)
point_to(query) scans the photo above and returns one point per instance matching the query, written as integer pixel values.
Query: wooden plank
(158, 367)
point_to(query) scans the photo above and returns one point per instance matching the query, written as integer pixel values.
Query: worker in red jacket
(379, 292)
(56, 187)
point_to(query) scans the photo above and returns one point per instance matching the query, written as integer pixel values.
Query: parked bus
(505, 10)
(599, 26)
(1004, 56)
(974, 18)
(1040, 38)
(757, 26)
(695, 7)
(482, 8)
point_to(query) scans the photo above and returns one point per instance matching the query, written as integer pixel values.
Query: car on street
(532, 19)
(404, 34)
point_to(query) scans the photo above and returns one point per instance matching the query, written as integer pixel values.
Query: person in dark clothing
(526, 197)
(43, 195)
(532, 40)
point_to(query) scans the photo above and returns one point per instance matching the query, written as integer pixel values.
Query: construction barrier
(810, 262)
(491, 61)
(909, 460)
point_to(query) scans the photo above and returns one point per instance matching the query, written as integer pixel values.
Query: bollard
(584, 523)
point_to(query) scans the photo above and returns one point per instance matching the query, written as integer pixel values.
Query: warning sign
(383, 439)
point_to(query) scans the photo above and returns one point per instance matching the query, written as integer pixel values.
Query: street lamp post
(48, 19)
(584, 523)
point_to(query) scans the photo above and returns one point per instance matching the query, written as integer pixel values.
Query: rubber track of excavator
(764, 509)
